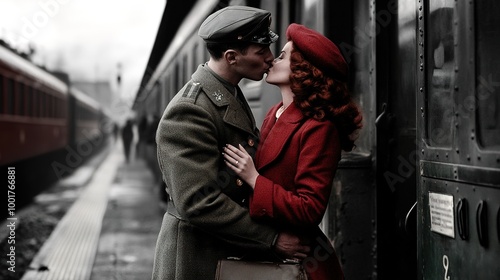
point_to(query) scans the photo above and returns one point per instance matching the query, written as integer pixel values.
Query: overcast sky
(86, 38)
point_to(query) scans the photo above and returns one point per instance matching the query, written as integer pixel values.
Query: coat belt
(172, 211)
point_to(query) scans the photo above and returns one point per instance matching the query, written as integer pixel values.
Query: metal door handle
(482, 223)
(463, 218)
(384, 111)
(408, 217)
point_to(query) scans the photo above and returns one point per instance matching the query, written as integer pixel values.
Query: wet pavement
(119, 205)
(130, 226)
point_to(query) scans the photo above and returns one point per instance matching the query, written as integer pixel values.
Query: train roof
(171, 20)
(84, 98)
(177, 18)
(26, 67)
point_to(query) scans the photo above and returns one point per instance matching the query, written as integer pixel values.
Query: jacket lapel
(220, 96)
(275, 135)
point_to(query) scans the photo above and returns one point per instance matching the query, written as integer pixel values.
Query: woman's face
(279, 74)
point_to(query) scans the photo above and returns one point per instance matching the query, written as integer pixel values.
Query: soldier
(207, 217)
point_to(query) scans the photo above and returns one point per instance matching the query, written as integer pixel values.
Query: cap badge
(218, 95)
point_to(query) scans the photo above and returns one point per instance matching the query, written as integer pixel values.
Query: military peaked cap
(238, 24)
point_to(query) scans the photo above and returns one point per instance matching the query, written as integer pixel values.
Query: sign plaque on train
(442, 216)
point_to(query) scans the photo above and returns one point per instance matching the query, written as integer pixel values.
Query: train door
(372, 224)
(351, 215)
(459, 140)
(396, 67)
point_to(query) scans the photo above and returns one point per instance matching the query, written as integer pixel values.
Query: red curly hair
(324, 98)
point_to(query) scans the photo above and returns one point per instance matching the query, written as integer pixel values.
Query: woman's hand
(241, 162)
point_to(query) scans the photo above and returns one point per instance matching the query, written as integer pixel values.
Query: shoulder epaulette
(191, 90)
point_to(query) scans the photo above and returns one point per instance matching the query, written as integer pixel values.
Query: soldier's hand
(291, 246)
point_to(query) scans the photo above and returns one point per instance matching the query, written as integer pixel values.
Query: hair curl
(324, 98)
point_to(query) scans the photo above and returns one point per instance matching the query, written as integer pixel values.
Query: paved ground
(130, 212)
(130, 226)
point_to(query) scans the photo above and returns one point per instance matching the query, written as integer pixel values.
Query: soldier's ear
(230, 56)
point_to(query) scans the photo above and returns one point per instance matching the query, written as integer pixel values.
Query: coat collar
(276, 133)
(220, 96)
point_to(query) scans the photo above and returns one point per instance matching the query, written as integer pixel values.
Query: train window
(60, 108)
(172, 86)
(59, 112)
(177, 82)
(64, 108)
(487, 73)
(1, 95)
(53, 111)
(157, 98)
(39, 103)
(441, 74)
(50, 106)
(43, 104)
(194, 58)
(55, 106)
(11, 87)
(36, 103)
(20, 100)
(29, 101)
(186, 73)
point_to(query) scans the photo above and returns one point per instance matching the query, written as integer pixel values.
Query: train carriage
(419, 197)
(33, 109)
(47, 128)
(458, 127)
(85, 118)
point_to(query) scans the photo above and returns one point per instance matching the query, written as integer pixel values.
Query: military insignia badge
(218, 95)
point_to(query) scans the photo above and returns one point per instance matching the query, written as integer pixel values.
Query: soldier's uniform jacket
(207, 218)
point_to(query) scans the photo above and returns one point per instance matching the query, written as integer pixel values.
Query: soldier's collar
(231, 88)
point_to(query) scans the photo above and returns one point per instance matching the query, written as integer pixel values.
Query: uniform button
(239, 182)
(251, 142)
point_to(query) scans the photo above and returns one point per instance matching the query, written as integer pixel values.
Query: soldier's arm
(189, 158)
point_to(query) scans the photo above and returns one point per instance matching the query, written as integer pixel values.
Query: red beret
(318, 50)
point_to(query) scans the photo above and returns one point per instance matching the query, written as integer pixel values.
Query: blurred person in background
(127, 136)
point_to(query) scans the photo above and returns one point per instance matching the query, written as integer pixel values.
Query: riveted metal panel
(453, 162)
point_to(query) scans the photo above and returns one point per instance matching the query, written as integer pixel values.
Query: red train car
(47, 127)
(33, 109)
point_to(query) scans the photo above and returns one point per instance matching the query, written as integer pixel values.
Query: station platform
(110, 231)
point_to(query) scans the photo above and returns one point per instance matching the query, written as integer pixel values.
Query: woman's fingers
(233, 150)
(242, 150)
(234, 153)
(237, 157)
(231, 157)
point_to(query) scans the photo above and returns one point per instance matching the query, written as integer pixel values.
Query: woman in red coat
(301, 142)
